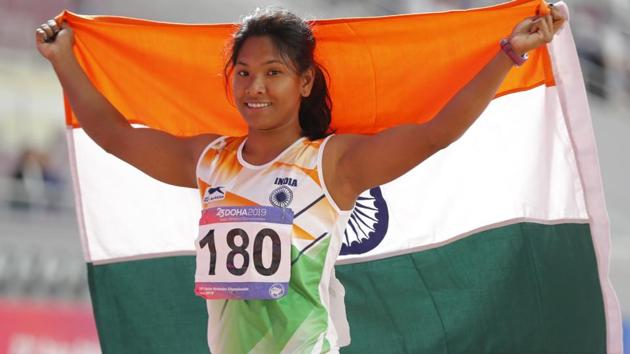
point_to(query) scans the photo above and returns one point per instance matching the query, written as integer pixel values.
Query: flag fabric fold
(497, 244)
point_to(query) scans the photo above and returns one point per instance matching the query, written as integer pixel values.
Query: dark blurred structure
(35, 183)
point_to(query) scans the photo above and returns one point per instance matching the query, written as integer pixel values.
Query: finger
(551, 28)
(549, 24)
(558, 19)
(558, 24)
(41, 35)
(48, 30)
(546, 29)
(53, 25)
(534, 26)
(555, 13)
(549, 19)
(525, 24)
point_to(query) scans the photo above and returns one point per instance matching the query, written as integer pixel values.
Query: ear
(306, 84)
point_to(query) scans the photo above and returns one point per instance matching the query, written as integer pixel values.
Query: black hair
(293, 38)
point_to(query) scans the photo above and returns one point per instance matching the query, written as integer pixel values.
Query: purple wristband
(506, 47)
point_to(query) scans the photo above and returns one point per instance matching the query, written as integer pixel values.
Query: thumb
(62, 24)
(59, 19)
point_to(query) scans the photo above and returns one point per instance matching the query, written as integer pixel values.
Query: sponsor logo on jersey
(281, 197)
(281, 181)
(247, 211)
(276, 291)
(213, 194)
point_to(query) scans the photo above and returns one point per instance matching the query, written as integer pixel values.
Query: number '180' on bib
(244, 252)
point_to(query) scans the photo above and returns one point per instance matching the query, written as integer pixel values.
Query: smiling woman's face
(266, 90)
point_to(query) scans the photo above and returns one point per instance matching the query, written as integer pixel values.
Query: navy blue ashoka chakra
(367, 225)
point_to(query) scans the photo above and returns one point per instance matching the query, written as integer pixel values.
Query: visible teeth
(258, 104)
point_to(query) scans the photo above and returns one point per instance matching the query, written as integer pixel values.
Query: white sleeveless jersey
(301, 321)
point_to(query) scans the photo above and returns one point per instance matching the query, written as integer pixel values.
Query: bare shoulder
(335, 170)
(340, 143)
(198, 143)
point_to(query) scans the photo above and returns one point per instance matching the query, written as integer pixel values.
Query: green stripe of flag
(148, 306)
(522, 288)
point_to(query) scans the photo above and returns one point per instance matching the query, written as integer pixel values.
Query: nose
(256, 86)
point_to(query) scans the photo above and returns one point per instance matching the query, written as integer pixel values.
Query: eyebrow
(272, 61)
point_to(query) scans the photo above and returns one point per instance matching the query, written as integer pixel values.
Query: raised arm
(349, 159)
(163, 156)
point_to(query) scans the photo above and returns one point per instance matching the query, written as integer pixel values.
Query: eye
(273, 72)
(242, 73)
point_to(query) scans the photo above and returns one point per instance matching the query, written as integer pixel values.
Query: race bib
(244, 252)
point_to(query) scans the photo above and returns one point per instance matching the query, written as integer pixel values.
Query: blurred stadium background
(44, 300)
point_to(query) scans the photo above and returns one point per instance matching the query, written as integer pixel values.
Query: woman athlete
(276, 202)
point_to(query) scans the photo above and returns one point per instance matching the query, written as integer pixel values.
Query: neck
(263, 146)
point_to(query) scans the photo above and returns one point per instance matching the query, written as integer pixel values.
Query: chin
(259, 124)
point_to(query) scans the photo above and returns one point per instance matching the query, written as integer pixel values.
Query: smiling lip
(257, 105)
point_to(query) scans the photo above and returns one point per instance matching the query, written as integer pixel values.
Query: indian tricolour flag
(497, 244)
